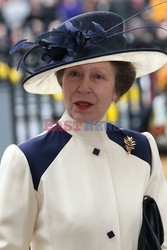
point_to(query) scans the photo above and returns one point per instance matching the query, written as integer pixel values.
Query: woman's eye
(74, 73)
(98, 76)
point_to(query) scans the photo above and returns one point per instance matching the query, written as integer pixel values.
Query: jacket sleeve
(157, 186)
(18, 201)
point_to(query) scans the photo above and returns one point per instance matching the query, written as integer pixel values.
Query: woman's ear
(115, 98)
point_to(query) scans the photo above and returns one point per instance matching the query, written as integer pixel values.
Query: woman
(81, 184)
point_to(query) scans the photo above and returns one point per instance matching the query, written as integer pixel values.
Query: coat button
(96, 151)
(110, 234)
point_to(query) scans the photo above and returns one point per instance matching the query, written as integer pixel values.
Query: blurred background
(24, 115)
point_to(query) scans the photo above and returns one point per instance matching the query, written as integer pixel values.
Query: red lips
(83, 105)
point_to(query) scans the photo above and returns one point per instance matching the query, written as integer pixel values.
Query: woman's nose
(84, 85)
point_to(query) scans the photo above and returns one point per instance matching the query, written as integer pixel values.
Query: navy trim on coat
(40, 151)
(142, 148)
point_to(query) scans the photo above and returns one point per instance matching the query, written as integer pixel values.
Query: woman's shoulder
(45, 142)
(117, 133)
(127, 138)
(42, 149)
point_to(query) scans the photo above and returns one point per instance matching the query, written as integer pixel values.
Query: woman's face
(89, 90)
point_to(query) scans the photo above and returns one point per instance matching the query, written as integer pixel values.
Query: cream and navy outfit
(78, 189)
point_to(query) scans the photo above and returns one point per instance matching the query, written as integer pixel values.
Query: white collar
(84, 131)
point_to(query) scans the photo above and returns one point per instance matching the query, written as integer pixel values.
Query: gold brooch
(129, 144)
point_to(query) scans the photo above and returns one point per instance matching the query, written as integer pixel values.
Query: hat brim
(144, 61)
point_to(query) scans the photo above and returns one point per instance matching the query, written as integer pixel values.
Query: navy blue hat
(87, 38)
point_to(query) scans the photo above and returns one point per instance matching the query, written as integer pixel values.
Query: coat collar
(84, 130)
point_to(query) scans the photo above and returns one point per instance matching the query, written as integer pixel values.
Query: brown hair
(59, 75)
(125, 76)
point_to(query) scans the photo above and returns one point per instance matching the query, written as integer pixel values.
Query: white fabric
(81, 197)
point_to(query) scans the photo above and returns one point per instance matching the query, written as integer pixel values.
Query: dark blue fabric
(142, 148)
(40, 151)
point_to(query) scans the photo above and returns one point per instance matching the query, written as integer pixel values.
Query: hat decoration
(58, 46)
(87, 38)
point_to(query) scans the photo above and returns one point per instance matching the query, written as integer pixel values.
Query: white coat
(78, 189)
